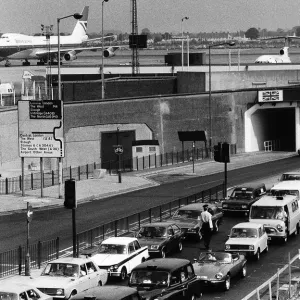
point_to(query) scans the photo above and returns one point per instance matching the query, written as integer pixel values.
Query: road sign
(118, 149)
(41, 128)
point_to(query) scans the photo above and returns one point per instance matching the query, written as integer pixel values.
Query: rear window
(285, 177)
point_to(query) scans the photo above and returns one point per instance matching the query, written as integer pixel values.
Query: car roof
(291, 173)
(287, 184)
(247, 225)
(70, 260)
(249, 186)
(157, 224)
(268, 200)
(15, 287)
(196, 206)
(163, 264)
(120, 240)
(106, 292)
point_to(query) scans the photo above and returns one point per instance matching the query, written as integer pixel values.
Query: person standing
(206, 226)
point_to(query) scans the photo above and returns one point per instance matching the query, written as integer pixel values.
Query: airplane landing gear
(26, 63)
(7, 63)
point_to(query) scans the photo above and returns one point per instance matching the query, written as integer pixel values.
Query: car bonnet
(108, 259)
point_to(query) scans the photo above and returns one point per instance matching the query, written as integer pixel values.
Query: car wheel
(143, 259)
(257, 255)
(180, 246)
(267, 248)
(73, 293)
(284, 240)
(227, 283)
(244, 271)
(194, 297)
(123, 274)
(163, 253)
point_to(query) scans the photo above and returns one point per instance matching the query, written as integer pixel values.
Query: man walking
(206, 226)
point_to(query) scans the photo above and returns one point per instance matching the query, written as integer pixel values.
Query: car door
(83, 281)
(93, 276)
(235, 265)
(177, 236)
(263, 237)
(134, 259)
(171, 244)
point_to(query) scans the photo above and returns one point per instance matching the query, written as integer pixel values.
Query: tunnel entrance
(271, 126)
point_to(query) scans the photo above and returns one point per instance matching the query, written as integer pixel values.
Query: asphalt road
(57, 222)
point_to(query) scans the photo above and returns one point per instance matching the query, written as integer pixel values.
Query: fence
(13, 261)
(33, 180)
(282, 285)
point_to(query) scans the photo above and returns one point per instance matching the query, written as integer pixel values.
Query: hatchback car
(166, 278)
(187, 218)
(161, 238)
(248, 238)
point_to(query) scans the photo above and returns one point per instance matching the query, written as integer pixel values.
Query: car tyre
(227, 283)
(123, 274)
(257, 255)
(194, 297)
(267, 249)
(244, 271)
(180, 246)
(163, 253)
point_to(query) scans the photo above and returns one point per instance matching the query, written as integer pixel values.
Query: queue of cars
(173, 278)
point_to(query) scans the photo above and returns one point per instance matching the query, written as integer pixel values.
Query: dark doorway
(108, 157)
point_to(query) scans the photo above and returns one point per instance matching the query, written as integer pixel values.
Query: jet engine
(71, 55)
(108, 53)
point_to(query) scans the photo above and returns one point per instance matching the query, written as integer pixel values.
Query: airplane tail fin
(80, 28)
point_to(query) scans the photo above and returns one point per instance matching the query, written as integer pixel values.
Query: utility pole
(135, 50)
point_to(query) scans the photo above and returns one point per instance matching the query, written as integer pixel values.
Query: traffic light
(218, 152)
(70, 194)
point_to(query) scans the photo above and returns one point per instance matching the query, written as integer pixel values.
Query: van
(279, 214)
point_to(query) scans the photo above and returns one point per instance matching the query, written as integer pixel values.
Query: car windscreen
(149, 277)
(187, 214)
(112, 249)
(213, 257)
(285, 177)
(153, 231)
(61, 269)
(265, 212)
(275, 192)
(243, 233)
(241, 194)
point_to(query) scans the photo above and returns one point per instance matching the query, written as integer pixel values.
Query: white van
(266, 211)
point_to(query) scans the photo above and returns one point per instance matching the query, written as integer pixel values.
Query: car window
(176, 229)
(90, 267)
(149, 277)
(32, 294)
(83, 270)
(23, 296)
(175, 277)
(153, 231)
(112, 249)
(170, 231)
(190, 271)
(131, 248)
(187, 214)
(136, 245)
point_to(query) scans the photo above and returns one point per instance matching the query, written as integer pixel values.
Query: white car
(248, 238)
(65, 277)
(119, 255)
(10, 290)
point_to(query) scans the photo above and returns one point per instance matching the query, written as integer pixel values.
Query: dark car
(166, 278)
(243, 197)
(161, 238)
(187, 218)
(215, 269)
(109, 292)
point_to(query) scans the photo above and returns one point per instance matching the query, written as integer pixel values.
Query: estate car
(166, 278)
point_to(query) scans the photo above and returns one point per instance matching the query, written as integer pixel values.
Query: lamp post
(184, 18)
(102, 65)
(76, 16)
(231, 43)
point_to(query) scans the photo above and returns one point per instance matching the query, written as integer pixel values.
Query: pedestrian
(206, 226)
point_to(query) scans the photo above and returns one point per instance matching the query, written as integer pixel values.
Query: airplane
(16, 46)
(283, 56)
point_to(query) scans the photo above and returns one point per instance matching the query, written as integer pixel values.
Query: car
(109, 292)
(166, 278)
(242, 197)
(161, 238)
(10, 290)
(248, 238)
(65, 277)
(119, 255)
(215, 269)
(187, 218)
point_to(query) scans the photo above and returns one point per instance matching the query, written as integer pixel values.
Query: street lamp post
(102, 64)
(231, 43)
(184, 18)
(76, 16)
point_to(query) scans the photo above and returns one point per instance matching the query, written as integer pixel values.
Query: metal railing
(13, 261)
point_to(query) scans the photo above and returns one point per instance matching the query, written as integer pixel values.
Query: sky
(162, 16)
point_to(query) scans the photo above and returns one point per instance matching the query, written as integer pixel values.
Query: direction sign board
(40, 128)
(118, 149)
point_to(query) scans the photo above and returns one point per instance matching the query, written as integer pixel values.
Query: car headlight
(279, 227)
(244, 206)
(227, 247)
(219, 276)
(60, 292)
(154, 247)
(225, 205)
(251, 247)
(114, 268)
